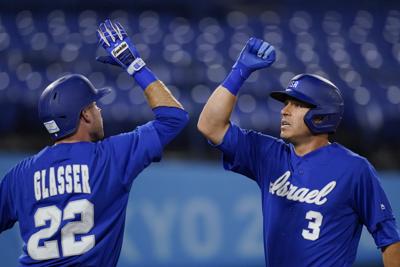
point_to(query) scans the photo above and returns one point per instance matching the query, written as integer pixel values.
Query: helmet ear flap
(319, 119)
(308, 120)
(322, 123)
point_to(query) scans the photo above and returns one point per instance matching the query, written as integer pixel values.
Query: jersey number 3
(312, 232)
(70, 247)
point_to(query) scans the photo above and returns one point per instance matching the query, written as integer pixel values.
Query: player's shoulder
(21, 167)
(111, 140)
(31, 161)
(258, 136)
(350, 157)
(126, 138)
(275, 142)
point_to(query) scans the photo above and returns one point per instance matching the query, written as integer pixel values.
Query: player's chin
(284, 133)
(283, 136)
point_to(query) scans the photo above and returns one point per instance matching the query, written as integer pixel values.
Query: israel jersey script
(70, 199)
(314, 206)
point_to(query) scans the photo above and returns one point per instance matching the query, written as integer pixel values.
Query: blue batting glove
(114, 39)
(256, 54)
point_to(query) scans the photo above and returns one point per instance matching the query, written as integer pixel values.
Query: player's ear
(85, 114)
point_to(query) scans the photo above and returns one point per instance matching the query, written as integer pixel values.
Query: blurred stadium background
(186, 211)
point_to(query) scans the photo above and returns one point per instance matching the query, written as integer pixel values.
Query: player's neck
(68, 140)
(79, 136)
(311, 144)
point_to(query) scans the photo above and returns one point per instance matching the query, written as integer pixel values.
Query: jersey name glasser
(60, 180)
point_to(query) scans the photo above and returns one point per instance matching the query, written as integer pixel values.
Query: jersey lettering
(283, 188)
(63, 179)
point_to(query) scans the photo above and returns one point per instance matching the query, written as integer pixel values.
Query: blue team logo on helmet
(324, 98)
(62, 102)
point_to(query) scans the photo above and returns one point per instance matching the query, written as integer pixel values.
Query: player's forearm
(214, 119)
(391, 255)
(170, 117)
(158, 95)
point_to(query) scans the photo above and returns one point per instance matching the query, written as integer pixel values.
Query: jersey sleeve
(386, 233)
(134, 151)
(249, 152)
(373, 207)
(169, 122)
(8, 214)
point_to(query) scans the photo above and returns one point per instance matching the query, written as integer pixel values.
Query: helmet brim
(102, 92)
(282, 96)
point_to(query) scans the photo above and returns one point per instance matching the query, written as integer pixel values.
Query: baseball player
(316, 195)
(70, 199)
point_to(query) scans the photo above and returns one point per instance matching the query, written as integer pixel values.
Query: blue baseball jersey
(70, 199)
(313, 206)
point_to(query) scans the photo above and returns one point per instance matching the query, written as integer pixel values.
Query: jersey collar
(320, 155)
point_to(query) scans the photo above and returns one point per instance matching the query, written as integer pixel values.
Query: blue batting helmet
(62, 102)
(322, 95)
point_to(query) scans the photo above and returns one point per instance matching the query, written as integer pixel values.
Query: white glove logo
(119, 49)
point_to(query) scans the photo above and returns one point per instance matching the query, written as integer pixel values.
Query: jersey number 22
(69, 246)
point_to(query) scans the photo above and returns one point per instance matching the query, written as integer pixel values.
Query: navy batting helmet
(322, 95)
(62, 102)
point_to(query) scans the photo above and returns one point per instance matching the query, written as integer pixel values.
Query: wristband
(144, 76)
(136, 65)
(234, 81)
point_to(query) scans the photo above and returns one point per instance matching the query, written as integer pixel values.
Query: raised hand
(122, 52)
(256, 54)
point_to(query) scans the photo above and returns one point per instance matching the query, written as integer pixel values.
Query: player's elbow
(178, 119)
(169, 123)
(209, 129)
(182, 120)
(204, 127)
(171, 117)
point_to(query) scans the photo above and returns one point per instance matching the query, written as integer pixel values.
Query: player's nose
(286, 109)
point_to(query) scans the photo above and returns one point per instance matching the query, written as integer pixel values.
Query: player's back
(70, 202)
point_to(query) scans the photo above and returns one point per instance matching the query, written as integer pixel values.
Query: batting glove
(114, 39)
(256, 54)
